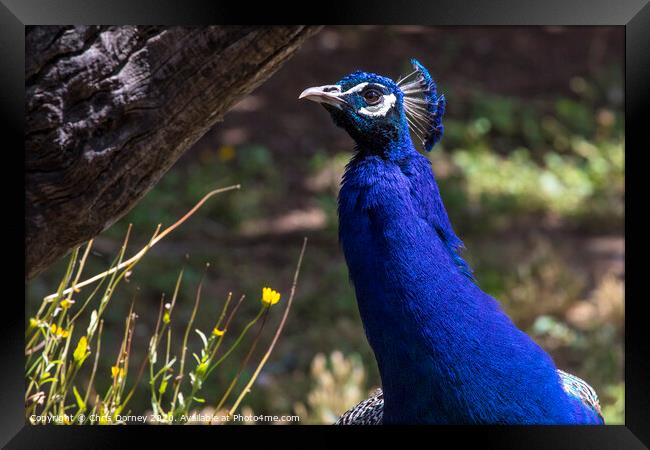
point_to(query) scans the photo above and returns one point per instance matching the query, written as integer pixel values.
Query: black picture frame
(633, 15)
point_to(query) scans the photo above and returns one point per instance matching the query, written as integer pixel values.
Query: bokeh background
(531, 170)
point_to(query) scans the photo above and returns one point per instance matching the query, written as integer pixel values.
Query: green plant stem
(184, 349)
(157, 239)
(237, 341)
(243, 363)
(266, 356)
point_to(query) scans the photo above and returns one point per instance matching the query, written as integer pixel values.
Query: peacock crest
(423, 106)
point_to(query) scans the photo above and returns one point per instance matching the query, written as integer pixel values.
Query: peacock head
(376, 110)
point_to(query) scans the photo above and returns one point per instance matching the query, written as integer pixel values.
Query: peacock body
(446, 351)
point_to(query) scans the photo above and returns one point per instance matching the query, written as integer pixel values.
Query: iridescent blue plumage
(446, 351)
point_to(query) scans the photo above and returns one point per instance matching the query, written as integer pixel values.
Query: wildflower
(59, 331)
(270, 297)
(80, 352)
(65, 304)
(117, 372)
(217, 332)
(33, 323)
(166, 315)
(226, 153)
(201, 369)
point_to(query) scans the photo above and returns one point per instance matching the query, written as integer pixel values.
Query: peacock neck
(394, 144)
(433, 331)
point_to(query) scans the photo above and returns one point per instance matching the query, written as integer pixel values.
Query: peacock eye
(372, 96)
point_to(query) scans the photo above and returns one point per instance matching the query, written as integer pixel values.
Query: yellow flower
(117, 372)
(217, 332)
(59, 331)
(82, 347)
(226, 153)
(65, 304)
(167, 314)
(270, 297)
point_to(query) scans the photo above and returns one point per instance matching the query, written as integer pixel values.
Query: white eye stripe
(360, 87)
(355, 88)
(388, 101)
(381, 109)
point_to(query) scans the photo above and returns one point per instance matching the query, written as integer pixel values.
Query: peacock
(446, 351)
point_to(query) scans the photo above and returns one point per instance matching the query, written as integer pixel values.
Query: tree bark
(110, 109)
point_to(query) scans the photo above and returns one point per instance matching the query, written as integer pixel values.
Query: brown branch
(110, 109)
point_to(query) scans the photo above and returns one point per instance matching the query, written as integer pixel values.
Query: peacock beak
(330, 94)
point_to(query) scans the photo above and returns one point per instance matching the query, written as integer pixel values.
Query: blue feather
(446, 352)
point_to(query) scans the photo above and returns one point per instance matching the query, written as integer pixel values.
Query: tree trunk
(110, 109)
